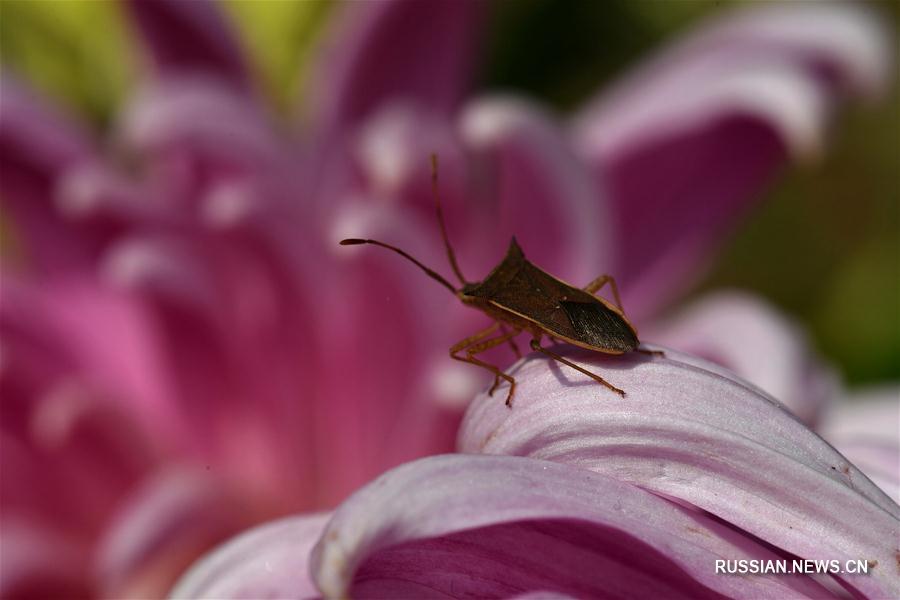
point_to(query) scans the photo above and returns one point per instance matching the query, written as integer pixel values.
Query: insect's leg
(473, 339)
(487, 345)
(512, 342)
(536, 345)
(463, 344)
(497, 374)
(475, 348)
(597, 284)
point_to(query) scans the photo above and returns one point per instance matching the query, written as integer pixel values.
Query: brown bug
(526, 298)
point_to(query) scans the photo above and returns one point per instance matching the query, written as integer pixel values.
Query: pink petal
(695, 432)
(533, 187)
(403, 324)
(191, 129)
(165, 524)
(748, 336)
(105, 203)
(40, 563)
(77, 441)
(504, 170)
(176, 279)
(98, 335)
(464, 526)
(847, 45)
(393, 149)
(36, 133)
(864, 427)
(543, 595)
(189, 37)
(688, 142)
(396, 50)
(37, 145)
(268, 561)
(234, 340)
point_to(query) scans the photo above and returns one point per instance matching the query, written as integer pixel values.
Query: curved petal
(268, 561)
(37, 146)
(695, 432)
(533, 187)
(687, 143)
(405, 321)
(464, 525)
(161, 528)
(393, 149)
(236, 333)
(190, 123)
(396, 50)
(189, 37)
(543, 595)
(41, 563)
(849, 46)
(37, 134)
(76, 328)
(505, 170)
(676, 193)
(745, 334)
(864, 427)
(79, 442)
(92, 193)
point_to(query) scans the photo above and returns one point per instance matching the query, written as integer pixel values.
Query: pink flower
(573, 496)
(187, 352)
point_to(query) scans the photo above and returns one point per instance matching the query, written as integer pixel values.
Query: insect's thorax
(521, 294)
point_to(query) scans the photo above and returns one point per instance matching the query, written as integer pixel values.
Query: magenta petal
(77, 326)
(695, 432)
(185, 288)
(465, 526)
(397, 392)
(105, 204)
(198, 119)
(687, 143)
(35, 134)
(37, 146)
(533, 187)
(745, 334)
(396, 50)
(543, 595)
(79, 442)
(40, 563)
(161, 527)
(393, 149)
(847, 46)
(189, 37)
(268, 561)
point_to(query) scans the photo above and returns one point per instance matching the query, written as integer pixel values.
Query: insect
(519, 297)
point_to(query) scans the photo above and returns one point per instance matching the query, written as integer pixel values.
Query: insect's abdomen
(597, 325)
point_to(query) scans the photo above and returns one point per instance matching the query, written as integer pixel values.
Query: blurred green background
(824, 246)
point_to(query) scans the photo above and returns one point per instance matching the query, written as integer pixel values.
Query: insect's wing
(534, 294)
(600, 326)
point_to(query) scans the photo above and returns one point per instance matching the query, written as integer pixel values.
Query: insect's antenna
(429, 272)
(440, 216)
